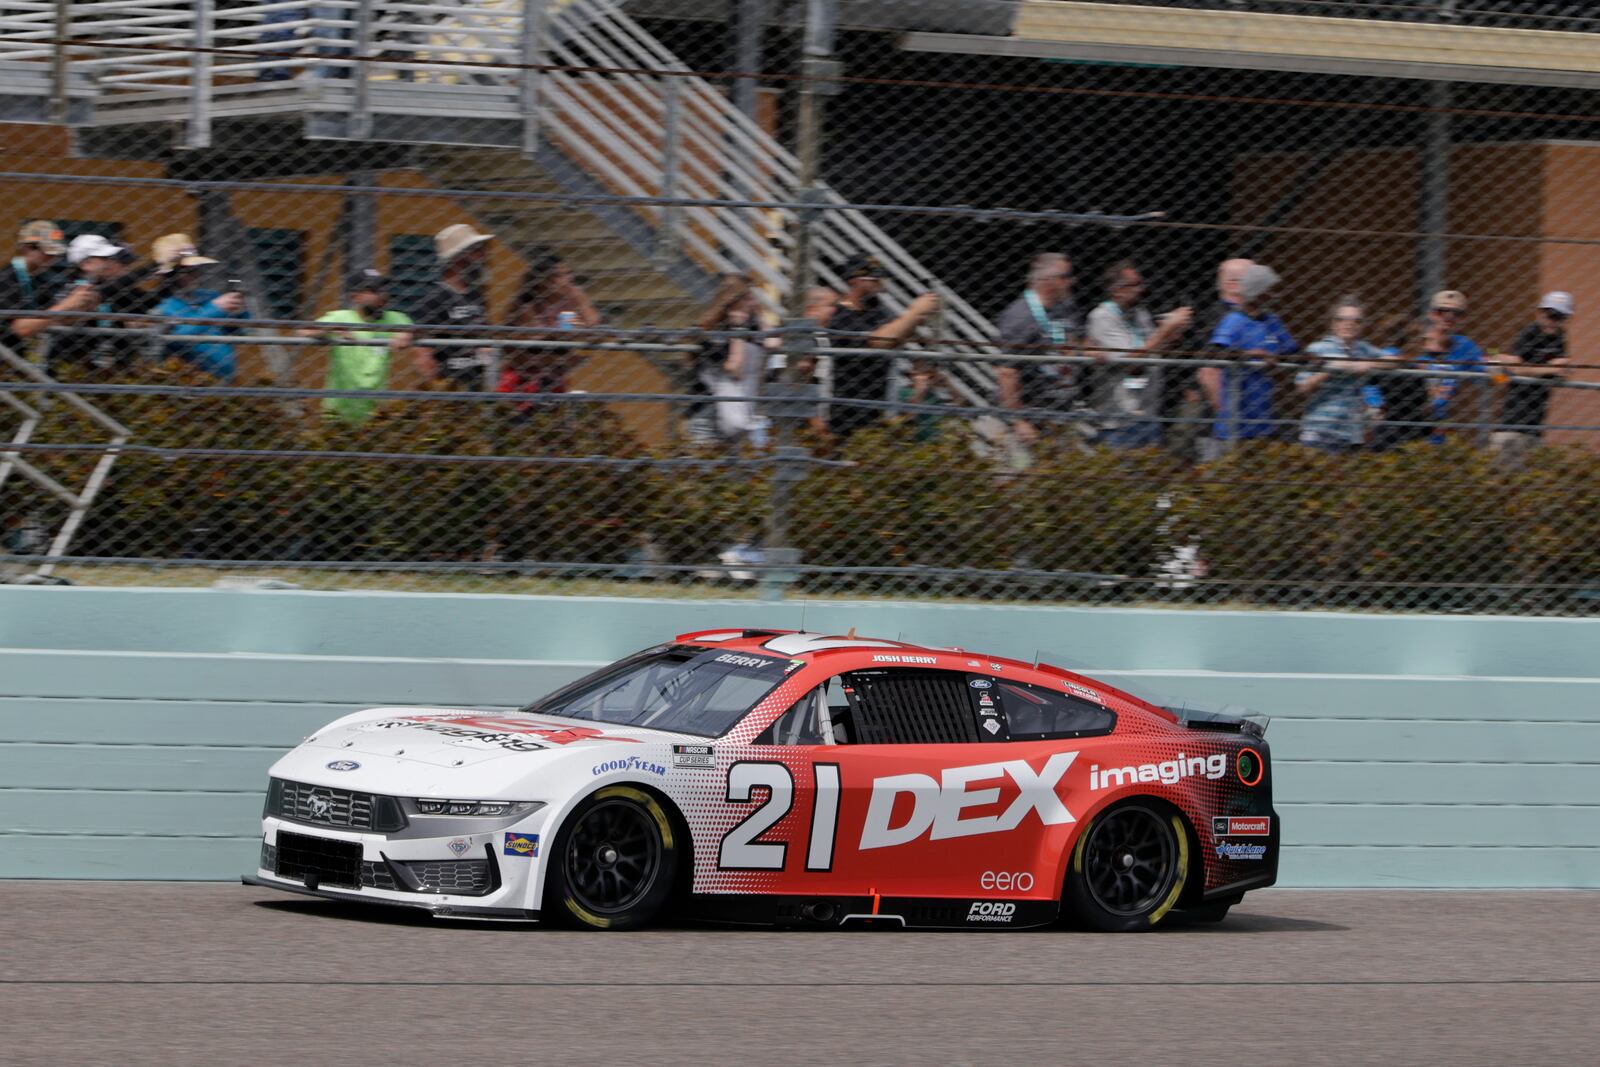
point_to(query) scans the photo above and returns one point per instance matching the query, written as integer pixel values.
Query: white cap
(91, 246)
(1560, 303)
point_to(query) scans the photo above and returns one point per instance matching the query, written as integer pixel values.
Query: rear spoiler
(1249, 723)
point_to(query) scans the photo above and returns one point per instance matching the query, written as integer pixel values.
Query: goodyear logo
(525, 845)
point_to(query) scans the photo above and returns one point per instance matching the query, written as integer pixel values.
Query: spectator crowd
(1197, 381)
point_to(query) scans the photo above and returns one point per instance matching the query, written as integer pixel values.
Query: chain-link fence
(1199, 302)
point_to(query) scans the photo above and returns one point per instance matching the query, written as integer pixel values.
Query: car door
(883, 783)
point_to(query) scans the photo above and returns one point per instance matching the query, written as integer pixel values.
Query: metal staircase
(29, 415)
(625, 118)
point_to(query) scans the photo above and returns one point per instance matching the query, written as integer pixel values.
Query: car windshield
(686, 690)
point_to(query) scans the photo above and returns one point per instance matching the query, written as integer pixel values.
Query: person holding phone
(190, 298)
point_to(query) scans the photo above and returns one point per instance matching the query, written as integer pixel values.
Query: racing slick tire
(615, 861)
(1129, 867)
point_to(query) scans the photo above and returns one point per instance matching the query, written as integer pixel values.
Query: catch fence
(760, 299)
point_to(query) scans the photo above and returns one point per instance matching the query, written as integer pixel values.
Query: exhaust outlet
(819, 911)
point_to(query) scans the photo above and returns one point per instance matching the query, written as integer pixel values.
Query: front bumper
(473, 876)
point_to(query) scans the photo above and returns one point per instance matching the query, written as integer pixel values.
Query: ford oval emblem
(980, 683)
(343, 765)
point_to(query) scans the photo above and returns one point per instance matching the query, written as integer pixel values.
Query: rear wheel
(1129, 867)
(615, 861)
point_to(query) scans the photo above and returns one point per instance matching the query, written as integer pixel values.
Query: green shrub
(1422, 527)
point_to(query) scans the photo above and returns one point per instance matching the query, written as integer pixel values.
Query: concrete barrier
(136, 725)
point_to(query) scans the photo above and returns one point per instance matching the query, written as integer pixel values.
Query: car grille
(318, 861)
(323, 805)
(378, 876)
(470, 877)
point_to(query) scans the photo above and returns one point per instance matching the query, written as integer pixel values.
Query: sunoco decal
(524, 845)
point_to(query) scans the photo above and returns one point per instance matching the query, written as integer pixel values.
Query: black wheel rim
(1130, 861)
(612, 857)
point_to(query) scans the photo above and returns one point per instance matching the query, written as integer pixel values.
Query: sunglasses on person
(1452, 312)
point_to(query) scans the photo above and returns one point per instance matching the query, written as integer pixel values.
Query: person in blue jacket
(1243, 397)
(187, 299)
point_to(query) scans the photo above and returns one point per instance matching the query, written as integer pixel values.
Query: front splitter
(438, 911)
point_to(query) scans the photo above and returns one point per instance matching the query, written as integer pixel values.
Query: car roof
(811, 648)
(806, 646)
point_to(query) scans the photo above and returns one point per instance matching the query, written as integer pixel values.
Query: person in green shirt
(355, 361)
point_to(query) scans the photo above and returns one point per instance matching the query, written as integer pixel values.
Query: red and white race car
(771, 777)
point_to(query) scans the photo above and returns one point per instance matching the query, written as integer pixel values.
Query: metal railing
(611, 97)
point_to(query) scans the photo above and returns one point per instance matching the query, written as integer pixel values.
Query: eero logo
(1006, 881)
(937, 806)
(991, 911)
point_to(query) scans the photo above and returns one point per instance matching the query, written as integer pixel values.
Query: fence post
(1434, 181)
(60, 65)
(816, 63)
(534, 13)
(198, 135)
(667, 233)
(362, 51)
(790, 460)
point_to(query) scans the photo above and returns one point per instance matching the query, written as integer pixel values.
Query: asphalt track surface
(174, 973)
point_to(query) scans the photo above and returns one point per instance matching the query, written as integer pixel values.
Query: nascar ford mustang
(791, 779)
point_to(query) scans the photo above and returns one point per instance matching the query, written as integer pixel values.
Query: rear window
(673, 687)
(1025, 712)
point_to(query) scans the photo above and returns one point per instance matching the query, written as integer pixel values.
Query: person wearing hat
(1540, 351)
(108, 283)
(189, 298)
(360, 359)
(456, 299)
(24, 287)
(1421, 403)
(1244, 397)
(862, 320)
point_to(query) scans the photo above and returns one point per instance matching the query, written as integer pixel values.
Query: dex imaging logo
(939, 806)
(1170, 772)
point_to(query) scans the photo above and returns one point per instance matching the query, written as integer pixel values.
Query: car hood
(443, 751)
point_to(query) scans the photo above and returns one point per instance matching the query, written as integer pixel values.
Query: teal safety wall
(136, 725)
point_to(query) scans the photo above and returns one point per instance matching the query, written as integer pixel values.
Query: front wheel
(614, 862)
(1129, 867)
